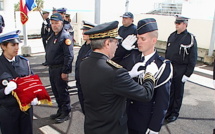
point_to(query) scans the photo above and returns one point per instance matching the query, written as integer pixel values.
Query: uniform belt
(56, 66)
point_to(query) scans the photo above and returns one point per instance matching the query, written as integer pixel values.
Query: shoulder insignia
(113, 63)
(23, 57)
(68, 42)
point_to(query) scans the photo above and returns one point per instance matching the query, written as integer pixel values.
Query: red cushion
(28, 88)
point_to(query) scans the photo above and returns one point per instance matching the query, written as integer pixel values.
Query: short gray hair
(99, 43)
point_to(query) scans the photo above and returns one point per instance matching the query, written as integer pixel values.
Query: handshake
(151, 68)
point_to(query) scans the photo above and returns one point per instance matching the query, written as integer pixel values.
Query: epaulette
(23, 57)
(113, 63)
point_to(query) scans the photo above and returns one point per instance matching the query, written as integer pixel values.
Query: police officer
(106, 85)
(12, 119)
(182, 51)
(59, 55)
(83, 53)
(45, 30)
(127, 28)
(67, 26)
(147, 117)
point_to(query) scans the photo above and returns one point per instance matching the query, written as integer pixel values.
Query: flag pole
(25, 49)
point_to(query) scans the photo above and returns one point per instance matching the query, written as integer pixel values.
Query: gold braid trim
(88, 26)
(149, 76)
(108, 34)
(22, 108)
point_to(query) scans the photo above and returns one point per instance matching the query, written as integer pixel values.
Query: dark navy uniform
(144, 115)
(83, 53)
(59, 57)
(124, 32)
(12, 119)
(46, 31)
(181, 50)
(106, 85)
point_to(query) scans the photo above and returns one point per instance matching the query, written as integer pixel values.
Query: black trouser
(177, 91)
(14, 121)
(60, 89)
(80, 95)
(132, 131)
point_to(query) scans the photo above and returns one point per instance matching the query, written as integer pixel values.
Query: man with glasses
(181, 50)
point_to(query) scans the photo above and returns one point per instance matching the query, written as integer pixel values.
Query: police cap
(146, 25)
(61, 10)
(57, 17)
(180, 19)
(12, 37)
(87, 25)
(104, 31)
(44, 11)
(128, 15)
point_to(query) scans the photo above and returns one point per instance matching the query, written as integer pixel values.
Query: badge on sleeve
(68, 42)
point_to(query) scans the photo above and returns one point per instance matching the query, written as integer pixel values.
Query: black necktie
(142, 58)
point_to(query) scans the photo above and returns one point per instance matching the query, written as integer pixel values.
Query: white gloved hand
(45, 22)
(10, 87)
(151, 132)
(134, 71)
(128, 42)
(34, 102)
(214, 83)
(152, 68)
(184, 78)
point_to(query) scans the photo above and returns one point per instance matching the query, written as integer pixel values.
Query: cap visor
(17, 40)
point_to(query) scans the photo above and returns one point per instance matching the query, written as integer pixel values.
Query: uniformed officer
(83, 53)
(106, 85)
(12, 119)
(182, 51)
(45, 29)
(67, 26)
(127, 28)
(59, 54)
(54, 10)
(147, 117)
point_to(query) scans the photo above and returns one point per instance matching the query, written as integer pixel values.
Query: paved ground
(197, 115)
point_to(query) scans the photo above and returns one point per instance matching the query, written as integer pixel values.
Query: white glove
(151, 132)
(34, 102)
(134, 71)
(10, 87)
(184, 78)
(128, 42)
(152, 68)
(214, 83)
(45, 22)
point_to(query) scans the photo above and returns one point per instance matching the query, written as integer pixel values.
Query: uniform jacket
(46, 29)
(83, 53)
(143, 115)
(105, 87)
(181, 50)
(20, 68)
(124, 32)
(67, 26)
(59, 51)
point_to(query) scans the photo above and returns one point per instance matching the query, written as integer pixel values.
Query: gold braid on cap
(88, 26)
(145, 24)
(108, 34)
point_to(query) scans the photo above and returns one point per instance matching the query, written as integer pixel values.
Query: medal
(4, 82)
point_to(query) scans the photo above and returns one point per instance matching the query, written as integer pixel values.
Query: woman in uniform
(12, 119)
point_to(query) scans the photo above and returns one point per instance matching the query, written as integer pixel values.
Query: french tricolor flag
(25, 7)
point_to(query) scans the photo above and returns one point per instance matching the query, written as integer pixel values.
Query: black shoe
(171, 118)
(62, 118)
(54, 116)
(44, 64)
